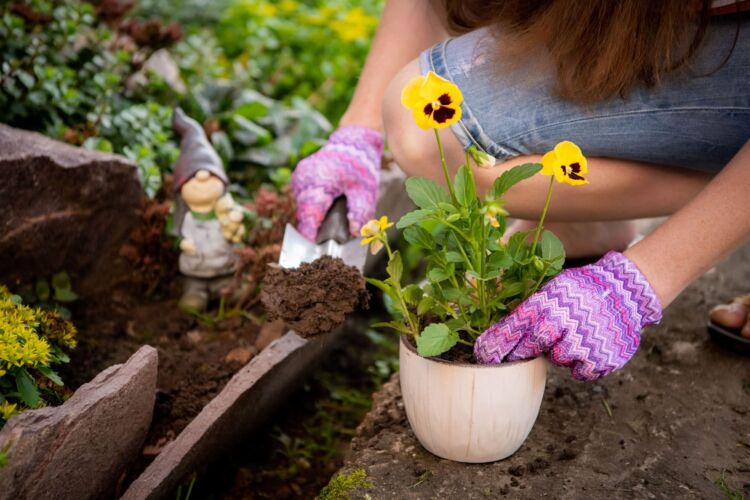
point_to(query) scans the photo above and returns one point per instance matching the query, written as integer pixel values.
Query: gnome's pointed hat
(196, 152)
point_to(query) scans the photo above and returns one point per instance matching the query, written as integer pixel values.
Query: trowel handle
(335, 226)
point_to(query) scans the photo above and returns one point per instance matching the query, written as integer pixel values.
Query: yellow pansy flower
(373, 233)
(567, 163)
(434, 101)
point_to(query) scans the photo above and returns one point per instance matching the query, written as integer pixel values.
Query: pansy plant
(474, 273)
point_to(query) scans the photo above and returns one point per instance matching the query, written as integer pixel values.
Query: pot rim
(435, 359)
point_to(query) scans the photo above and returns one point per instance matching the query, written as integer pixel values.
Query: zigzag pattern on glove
(588, 319)
(349, 165)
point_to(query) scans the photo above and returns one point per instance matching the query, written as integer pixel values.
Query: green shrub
(65, 69)
(32, 341)
(56, 71)
(311, 49)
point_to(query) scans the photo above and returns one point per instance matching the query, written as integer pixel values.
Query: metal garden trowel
(333, 239)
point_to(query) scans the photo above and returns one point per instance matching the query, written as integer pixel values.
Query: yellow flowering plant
(32, 340)
(474, 275)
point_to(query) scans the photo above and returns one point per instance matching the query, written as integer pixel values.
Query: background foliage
(256, 73)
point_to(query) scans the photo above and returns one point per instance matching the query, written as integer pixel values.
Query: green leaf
(517, 244)
(425, 305)
(511, 177)
(395, 268)
(50, 374)
(384, 287)
(248, 133)
(251, 110)
(98, 144)
(551, 246)
(511, 289)
(438, 274)
(436, 339)
(27, 388)
(414, 217)
(500, 260)
(61, 280)
(425, 193)
(448, 207)
(65, 295)
(464, 187)
(42, 290)
(454, 256)
(419, 237)
(412, 294)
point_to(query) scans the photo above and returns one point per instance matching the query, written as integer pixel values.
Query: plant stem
(397, 291)
(544, 214)
(457, 230)
(465, 342)
(445, 168)
(482, 260)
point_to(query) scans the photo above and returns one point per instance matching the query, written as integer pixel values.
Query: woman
(657, 95)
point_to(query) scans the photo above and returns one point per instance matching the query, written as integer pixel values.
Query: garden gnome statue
(206, 219)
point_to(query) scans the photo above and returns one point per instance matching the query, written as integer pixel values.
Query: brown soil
(316, 297)
(674, 423)
(196, 359)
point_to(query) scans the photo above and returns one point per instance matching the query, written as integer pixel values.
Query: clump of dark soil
(316, 297)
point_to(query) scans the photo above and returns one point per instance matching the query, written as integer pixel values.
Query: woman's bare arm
(700, 234)
(406, 28)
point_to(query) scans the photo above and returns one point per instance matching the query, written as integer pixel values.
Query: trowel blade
(296, 249)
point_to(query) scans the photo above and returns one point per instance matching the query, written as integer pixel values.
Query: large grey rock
(80, 450)
(63, 209)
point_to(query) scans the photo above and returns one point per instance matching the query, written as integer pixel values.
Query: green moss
(342, 484)
(3, 459)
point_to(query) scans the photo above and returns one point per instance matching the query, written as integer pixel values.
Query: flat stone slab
(63, 209)
(674, 423)
(81, 449)
(247, 401)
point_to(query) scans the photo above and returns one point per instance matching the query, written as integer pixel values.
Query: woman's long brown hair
(600, 48)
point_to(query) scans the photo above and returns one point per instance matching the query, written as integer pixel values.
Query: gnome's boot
(194, 296)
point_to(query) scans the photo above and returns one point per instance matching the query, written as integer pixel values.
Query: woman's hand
(349, 165)
(588, 319)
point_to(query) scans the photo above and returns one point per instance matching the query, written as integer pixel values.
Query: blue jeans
(696, 118)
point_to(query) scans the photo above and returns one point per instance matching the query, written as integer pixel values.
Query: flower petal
(549, 163)
(410, 97)
(434, 86)
(568, 152)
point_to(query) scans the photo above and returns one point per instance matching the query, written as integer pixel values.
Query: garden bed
(195, 360)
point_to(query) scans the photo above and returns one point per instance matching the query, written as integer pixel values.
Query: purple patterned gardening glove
(349, 164)
(588, 319)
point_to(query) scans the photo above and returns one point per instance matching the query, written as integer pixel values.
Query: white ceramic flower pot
(470, 413)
